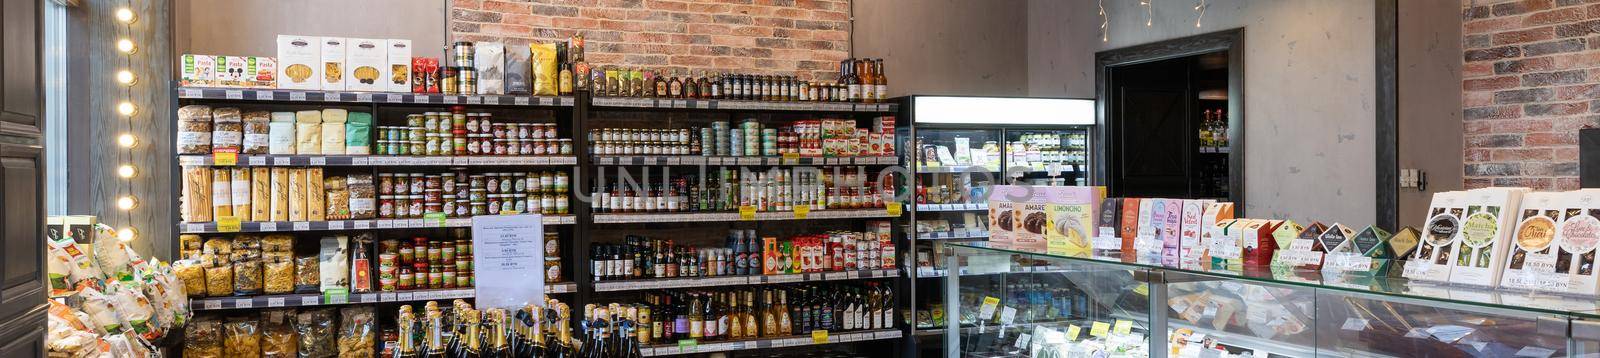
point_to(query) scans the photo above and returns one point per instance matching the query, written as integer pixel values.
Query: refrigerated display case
(957, 148)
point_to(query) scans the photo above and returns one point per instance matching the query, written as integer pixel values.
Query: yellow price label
(228, 224)
(1099, 329)
(893, 209)
(509, 212)
(819, 336)
(1141, 289)
(1122, 327)
(747, 212)
(1073, 331)
(791, 158)
(801, 211)
(224, 158)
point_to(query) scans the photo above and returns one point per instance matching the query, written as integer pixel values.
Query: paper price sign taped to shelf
(1007, 315)
(1022, 341)
(687, 343)
(893, 209)
(1099, 329)
(508, 255)
(228, 224)
(1123, 327)
(747, 212)
(225, 158)
(819, 336)
(801, 211)
(987, 309)
(1073, 331)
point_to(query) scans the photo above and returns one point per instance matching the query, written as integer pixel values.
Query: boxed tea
(1149, 244)
(198, 71)
(1304, 252)
(1171, 225)
(399, 55)
(299, 62)
(1129, 221)
(1257, 244)
(333, 65)
(366, 65)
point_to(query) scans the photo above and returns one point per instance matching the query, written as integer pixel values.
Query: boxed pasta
(198, 71)
(490, 60)
(232, 71)
(366, 67)
(261, 72)
(399, 55)
(332, 53)
(298, 58)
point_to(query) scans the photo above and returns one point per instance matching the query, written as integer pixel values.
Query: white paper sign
(508, 255)
(1354, 324)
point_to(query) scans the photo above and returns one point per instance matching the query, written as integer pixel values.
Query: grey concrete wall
(1430, 101)
(251, 27)
(1062, 39)
(1309, 88)
(946, 46)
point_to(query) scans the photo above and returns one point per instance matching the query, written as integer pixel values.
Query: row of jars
(456, 193)
(422, 264)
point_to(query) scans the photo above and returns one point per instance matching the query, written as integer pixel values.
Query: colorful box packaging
(366, 65)
(198, 71)
(333, 69)
(399, 60)
(1485, 235)
(299, 62)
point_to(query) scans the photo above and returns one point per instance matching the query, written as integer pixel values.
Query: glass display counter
(1011, 304)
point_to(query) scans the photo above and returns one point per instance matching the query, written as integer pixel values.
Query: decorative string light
(125, 16)
(125, 77)
(126, 203)
(1104, 21)
(126, 171)
(127, 140)
(126, 46)
(1199, 7)
(126, 200)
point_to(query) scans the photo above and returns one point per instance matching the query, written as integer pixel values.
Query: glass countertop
(1386, 287)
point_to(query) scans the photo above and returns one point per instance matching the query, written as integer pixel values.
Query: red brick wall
(806, 38)
(1530, 80)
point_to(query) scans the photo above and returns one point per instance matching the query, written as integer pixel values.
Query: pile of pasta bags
(109, 301)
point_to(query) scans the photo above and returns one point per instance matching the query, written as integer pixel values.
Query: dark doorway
(1169, 117)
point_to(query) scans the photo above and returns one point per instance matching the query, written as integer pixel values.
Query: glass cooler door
(1057, 157)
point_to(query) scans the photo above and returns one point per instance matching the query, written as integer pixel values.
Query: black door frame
(1230, 41)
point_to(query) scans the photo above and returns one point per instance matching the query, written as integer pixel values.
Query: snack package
(113, 256)
(277, 334)
(203, 338)
(82, 271)
(241, 337)
(543, 60)
(315, 330)
(357, 332)
(98, 306)
(358, 134)
(134, 309)
(67, 334)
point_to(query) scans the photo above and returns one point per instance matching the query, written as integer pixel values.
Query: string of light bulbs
(126, 108)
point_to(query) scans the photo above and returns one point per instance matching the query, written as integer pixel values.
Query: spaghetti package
(197, 193)
(316, 199)
(297, 194)
(257, 132)
(261, 194)
(333, 130)
(280, 194)
(239, 192)
(308, 132)
(221, 193)
(358, 134)
(543, 60)
(280, 133)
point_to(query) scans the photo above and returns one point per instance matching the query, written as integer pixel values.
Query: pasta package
(277, 276)
(247, 273)
(277, 242)
(315, 197)
(357, 332)
(261, 194)
(280, 194)
(221, 193)
(399, 60)
(338, 198)
(297, 194)
(257, 132)
(193, 275)
(277, 334)
(241, 337)
(203, 338)
(239, 192)
(197, 193)
(280, 133)
(366, 65)
(543, 59)
(358, 134)
(299, 66)
(308, 132)
(307, 274)
(333, 130)
(490, 60)
(194, 129)
(362, 196)
(227, 132)
(98, 306)
(219, 278)
(315, 328)
(333, 51)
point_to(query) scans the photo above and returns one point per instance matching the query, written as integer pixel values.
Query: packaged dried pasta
(316, 199)
(297, 194)
(219, 278)
(239, 192)
(308, 132)
(241, 337)
(197, 193)
(218, 245)
(203, 337)
(112, 256)
(261, 194)
(280, 194)
(134, 308)
(83, 271)
(362, 196)
(190, 242)
(227, 132)
(357, 332)
(281, 136)
(333, 130)
(257, 132)
(194, 129)
(543, 60)
(315, 329)
(338, 198)
(358, 134)
(246, 274)
(193, 275)
(277, 334)
(277, 242)
(307, 274)
(278, 276)
(221, 193)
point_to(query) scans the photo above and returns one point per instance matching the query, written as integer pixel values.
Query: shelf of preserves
(762, 161)
(247, 160)
(734, 216)
(953, 235)
(727, 104)
(318, 299)
(664, 283)
(952, 207)
(767, 343)
(363, 224)
(251, 94)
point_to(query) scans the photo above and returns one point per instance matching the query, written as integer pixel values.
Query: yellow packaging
(315, 200)
(280, 194)
(544, 69)
(196, 194)
(221, 192)
(1067, 232)
(297, 194)
(239, 192)
(261, 194)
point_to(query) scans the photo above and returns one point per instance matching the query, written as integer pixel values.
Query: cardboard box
(1485, 233)
(1190, 252)
(1257, 243)
(198, 71)
(1067, 232)
(333, 69)
(399, 55)
(1578, 235)
(1428, 262)
(1171, 224)
(366, 65)
(262, 72)
(1534, 245)
(1028, 232)
(1130, 227)
(299, 62)
(232, 71)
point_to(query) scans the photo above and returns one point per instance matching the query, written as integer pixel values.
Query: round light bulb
(126, 171)
(127, 140)
(125, 77)
(126, 108)
(127, 234)
(125, 15)
(126, 203)
(125, 45)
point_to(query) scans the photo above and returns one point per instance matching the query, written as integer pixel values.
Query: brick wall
(1530, 80)
(806, 38)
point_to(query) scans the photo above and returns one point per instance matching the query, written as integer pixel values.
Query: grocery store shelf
(723, 216)
(927, 272)
(762, 161)
(317, 299)
(296, 226)
(767, 343)
(266, 94)
(953, 235)
(246, 160)
(652, 284)
(727, 104)
(952, 207)
(956, 169)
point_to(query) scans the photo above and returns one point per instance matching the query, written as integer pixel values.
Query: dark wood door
(1152, 142)
(22, 287)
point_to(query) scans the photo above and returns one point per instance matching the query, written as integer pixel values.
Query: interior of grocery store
(799, 178)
